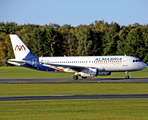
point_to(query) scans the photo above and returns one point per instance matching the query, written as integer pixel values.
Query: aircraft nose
(144, 65)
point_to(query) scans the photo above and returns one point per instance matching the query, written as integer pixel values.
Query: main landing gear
(127, 77)
(75, 77)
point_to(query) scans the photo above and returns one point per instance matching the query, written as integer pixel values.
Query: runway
(73, 97)
(70, 80)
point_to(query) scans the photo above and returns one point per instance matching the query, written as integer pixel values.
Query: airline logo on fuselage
(20, 48)
(109, 59)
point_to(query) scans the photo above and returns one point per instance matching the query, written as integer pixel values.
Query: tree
(73, 45)
(36, 44)
(135, 43)
(85, 42)
(110, 39)
(98, 38)
(7, 51)
(122, 40)
(52, 43)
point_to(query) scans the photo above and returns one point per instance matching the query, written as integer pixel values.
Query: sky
(74, 12)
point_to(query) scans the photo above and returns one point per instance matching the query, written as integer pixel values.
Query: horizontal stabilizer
(16, 62)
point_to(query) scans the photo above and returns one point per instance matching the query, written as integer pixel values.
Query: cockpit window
(136, 60)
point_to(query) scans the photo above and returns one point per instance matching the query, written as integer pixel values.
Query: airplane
(84, 66)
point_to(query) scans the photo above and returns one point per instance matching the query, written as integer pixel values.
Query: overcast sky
(74, 12)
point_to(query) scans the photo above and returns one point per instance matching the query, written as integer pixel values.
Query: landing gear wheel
(127, 77)
(75, 77)
(84, 77)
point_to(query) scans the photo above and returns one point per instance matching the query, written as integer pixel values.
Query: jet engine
(92, 72)
(88, 72)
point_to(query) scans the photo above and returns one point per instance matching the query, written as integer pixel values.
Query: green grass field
(100, 109)
(72, 89)
(20, 72)
(103, 109)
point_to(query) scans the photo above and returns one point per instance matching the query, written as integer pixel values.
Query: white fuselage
(102, 63)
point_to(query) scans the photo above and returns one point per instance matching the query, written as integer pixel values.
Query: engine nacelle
(88, 72)
(104, 73)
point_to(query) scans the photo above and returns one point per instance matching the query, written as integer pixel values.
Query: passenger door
(125, 61)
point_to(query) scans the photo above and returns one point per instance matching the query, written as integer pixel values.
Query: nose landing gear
(127, 76)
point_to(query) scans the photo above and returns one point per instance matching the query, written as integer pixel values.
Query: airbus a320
(86, 66)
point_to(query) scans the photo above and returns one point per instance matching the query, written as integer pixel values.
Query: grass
(102, 109)
(76, 109)
(72, 89)
(20, 72)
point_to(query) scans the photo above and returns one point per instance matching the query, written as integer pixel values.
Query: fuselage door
(125, 62)
(34, 62)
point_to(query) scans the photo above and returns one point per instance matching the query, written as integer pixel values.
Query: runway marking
(20, 98)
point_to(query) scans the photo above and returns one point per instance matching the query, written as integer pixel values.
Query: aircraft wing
(62, 67)
(68, 66)
(73, 67)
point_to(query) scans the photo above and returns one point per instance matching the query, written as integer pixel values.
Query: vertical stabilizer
(19, 48)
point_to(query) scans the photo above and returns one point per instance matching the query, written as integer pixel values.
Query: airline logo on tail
(20, 48)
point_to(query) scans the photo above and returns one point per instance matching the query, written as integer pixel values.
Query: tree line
(97, 39)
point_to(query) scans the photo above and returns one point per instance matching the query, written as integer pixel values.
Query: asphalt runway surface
(73, 97)
(70, 80)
